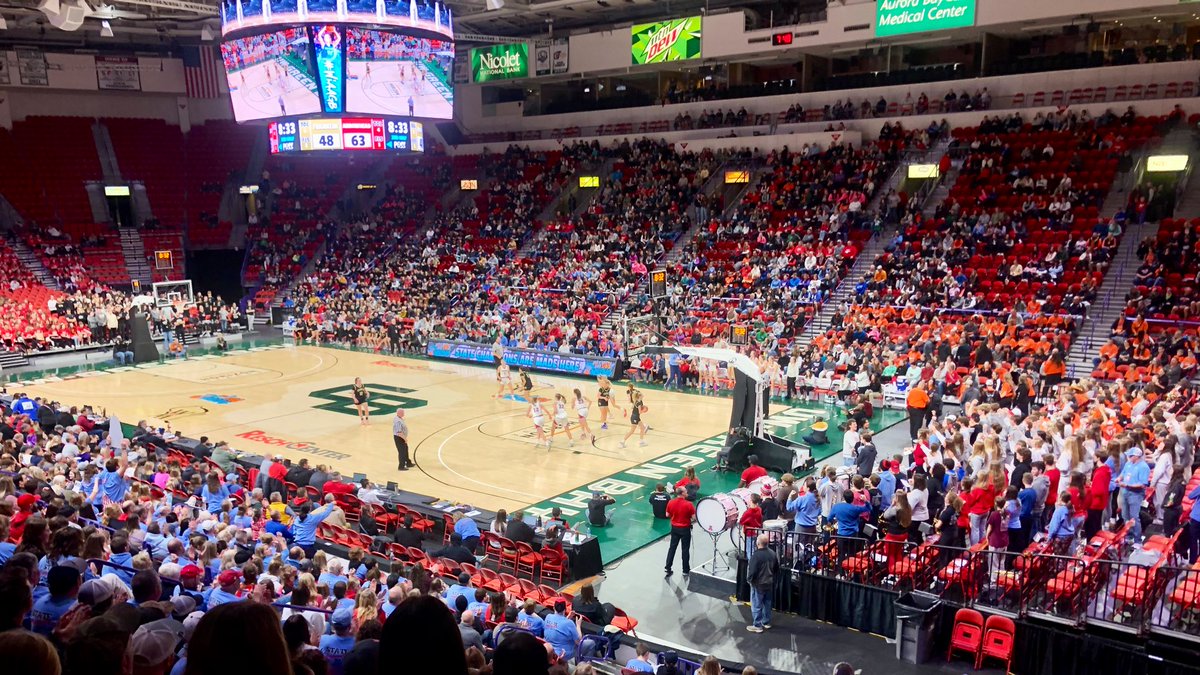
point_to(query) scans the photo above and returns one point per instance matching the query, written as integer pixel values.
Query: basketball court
(386, 89)
(469, 447)
(272, 88)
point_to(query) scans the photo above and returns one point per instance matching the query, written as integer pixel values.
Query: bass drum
(742, 495)
(717, 513)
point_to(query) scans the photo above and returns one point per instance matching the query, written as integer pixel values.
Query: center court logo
(384, 399)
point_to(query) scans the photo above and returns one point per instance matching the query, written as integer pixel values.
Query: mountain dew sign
(901, 17)
(500, 62)
(674, 40)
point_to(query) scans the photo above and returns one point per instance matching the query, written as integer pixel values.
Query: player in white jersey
(504, 377)
(538, 414)
(560, 419)
(582, 405)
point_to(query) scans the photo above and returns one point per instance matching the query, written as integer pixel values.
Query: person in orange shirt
(1053, 369)
(917, 403)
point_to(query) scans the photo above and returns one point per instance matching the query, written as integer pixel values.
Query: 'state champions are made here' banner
(901, 17)
(674, 40)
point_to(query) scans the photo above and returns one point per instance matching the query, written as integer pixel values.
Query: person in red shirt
(1097, 499)
(751, 521)
(752, 472)
(682, 514)
(335, 486)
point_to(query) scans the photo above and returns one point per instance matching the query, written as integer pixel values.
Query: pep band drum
(742, 495)
(717, 513)
(763, 486)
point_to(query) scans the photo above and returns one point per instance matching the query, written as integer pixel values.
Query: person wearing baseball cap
(562, 633)
(226, 589)
(336, 646)
(1133, 479)
(153, 644)
(96, 594)
(63, 582)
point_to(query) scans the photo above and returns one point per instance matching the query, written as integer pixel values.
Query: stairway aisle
(1110, 301)
(844, 292)
(30, 260)
(134, 253)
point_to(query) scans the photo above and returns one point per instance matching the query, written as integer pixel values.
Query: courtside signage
(500, 62)
(901, 17)
(674, 40)
(532, 359)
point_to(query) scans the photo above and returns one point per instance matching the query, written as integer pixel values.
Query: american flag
(201, 70)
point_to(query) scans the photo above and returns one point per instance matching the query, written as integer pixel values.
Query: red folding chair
(508, 553)
(967, 634)
(528, 561)
(623, 622)
(554, 566)
(999, 634)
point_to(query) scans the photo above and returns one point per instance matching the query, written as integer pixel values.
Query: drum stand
(717, 565)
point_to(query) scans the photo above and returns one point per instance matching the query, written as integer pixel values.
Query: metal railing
(1110, 584)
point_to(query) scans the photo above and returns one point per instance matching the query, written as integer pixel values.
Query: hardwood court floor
(468, 446)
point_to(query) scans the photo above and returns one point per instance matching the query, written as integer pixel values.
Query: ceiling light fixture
(106, 29)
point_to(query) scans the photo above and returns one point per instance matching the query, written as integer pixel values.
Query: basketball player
(636, 423)
(582, 404)
(504, 377)
(604, 400)
(526, 382)
(560, 419)
(538, 414)
(361, 395)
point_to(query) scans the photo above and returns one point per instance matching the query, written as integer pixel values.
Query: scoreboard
(345, 133)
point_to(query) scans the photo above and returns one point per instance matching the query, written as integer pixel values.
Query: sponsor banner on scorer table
(901, 17)
(570, 364)
(500, 62)
(674, 40)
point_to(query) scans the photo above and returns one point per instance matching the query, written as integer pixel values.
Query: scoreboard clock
(739, 334)
(658, 284)
(164, 260)
(345, 133)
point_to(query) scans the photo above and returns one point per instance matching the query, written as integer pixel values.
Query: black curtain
(871, 610)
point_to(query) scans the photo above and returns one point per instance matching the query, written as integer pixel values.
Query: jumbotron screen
(256, 15)
(334, 69)
(345, 133)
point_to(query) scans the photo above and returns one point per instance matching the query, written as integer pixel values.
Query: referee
(400, 437)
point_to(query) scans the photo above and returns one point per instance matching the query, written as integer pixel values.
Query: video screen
(271, 75)
(427, 15)
(390, 74)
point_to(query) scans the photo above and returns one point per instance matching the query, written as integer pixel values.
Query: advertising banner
(541, 60)
(554, 362)
(901, 17)
(674, 40)
(31, 66)
(500, 62)
(118, 73)
(560, 56)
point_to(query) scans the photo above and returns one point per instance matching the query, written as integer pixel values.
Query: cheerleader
(560, 419)
(604, 400)
(538, 414)
(582, 405)
(504, 377)
(361, 395)
(636, 423)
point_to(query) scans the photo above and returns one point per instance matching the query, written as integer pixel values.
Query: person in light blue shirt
(887, 482)
(333, 575)
(463, 588)
(213, 493)
(110, 483)
(63, 584)
(336, 646)
(562, 633)
(479, 606)
(395, 596)
(1132, 481)
(25, 406)
(468, 529)
(641, 662)
(529, 619)
(806, 507)
(1062, 528)
(304, 527)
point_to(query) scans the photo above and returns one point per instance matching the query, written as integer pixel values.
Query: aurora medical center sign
(901, 17)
